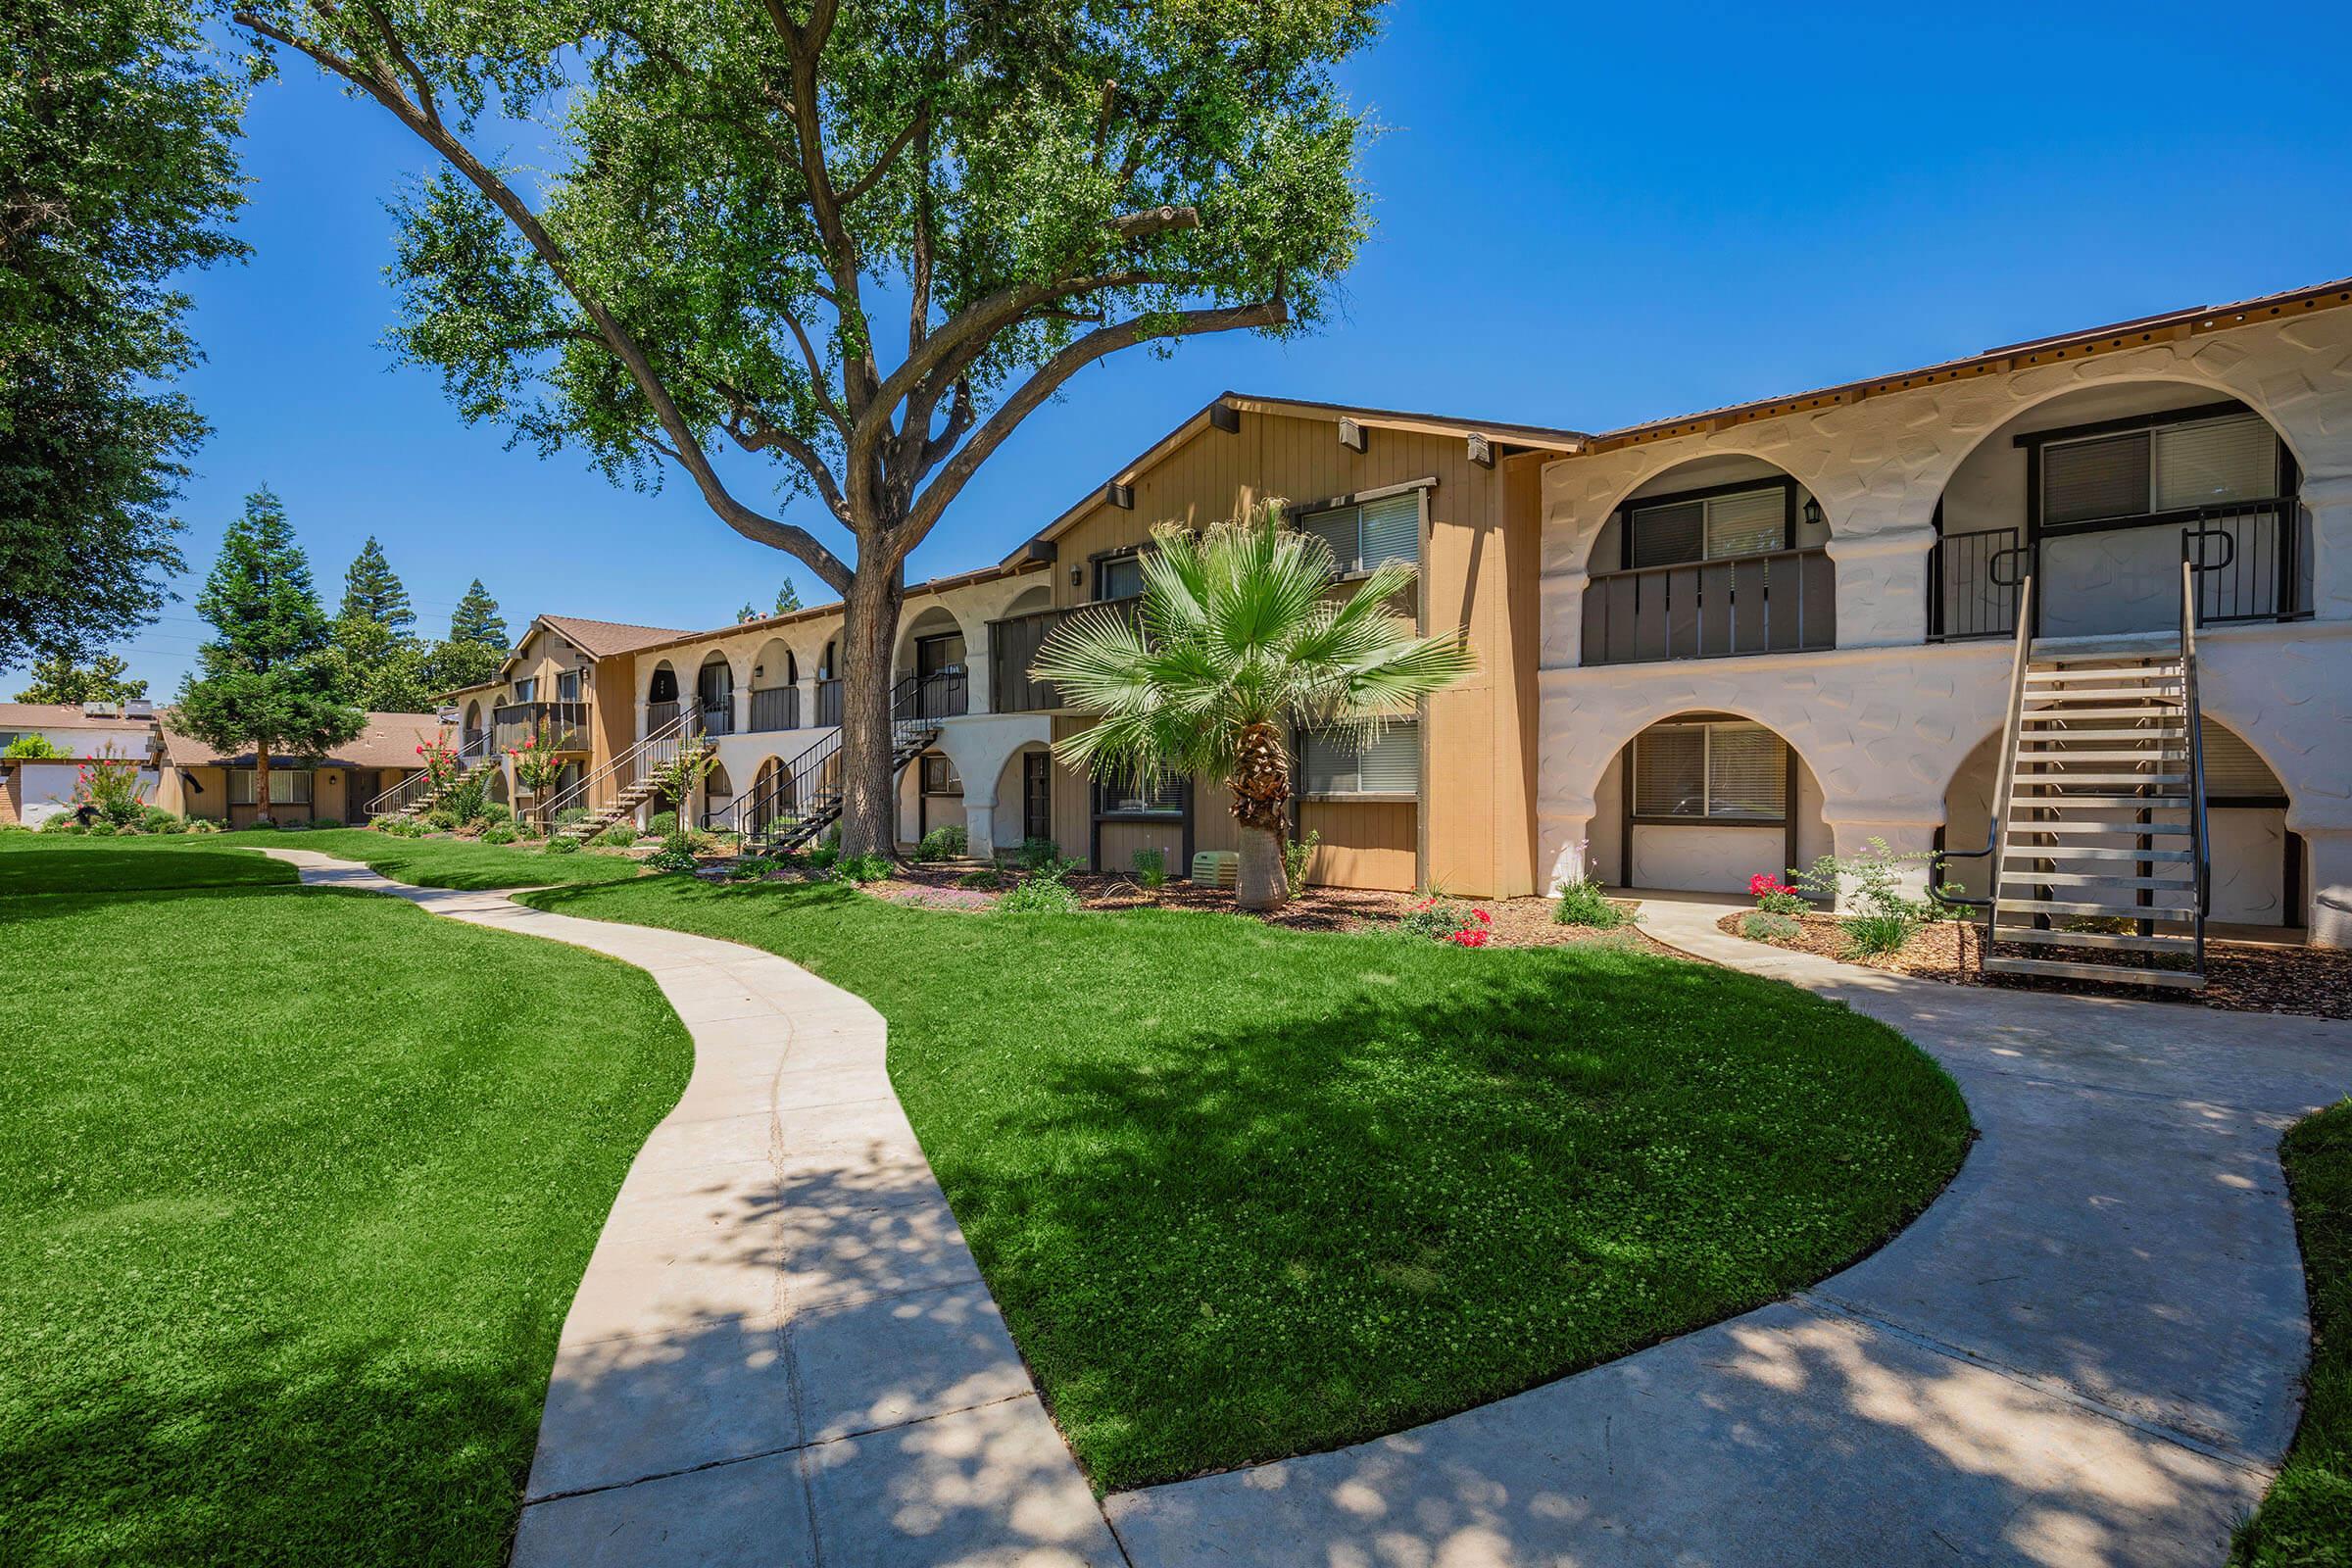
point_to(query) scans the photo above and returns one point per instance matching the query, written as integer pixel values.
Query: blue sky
(1585, 218)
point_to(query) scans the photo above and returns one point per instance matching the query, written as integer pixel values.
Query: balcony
(1781, 602)
(828, 702)
(1013, 647)
(557, 726)
(777, 707)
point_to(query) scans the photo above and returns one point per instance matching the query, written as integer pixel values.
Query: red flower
(1471, 935)
(1481, 917)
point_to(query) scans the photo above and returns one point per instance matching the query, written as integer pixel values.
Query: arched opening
(718, 794)
(1719, 555)
(715, 695)
(1033, 600)
(930, 795)
(1702, 801)
(498, 786)
(828, 685)
(775, 690)
(932, 652)
(2258, 871)
(2099, 494)
(771, 798)
(1025, 785)
(473, 739)
(661, 696)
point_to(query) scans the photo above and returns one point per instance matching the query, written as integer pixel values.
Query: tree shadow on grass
(89, 868)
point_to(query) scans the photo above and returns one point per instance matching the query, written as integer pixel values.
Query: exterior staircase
(2099, 851)
(618, 788)
(416, 794)
(803, 799)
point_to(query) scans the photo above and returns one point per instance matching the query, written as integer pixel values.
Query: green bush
(497, 811)
(440, 819)
(666, 859)
(661, 824)
(1040, 895)
(560, 845)
(499, 833)
(1036, 855)
(61, 822)
(1769, 925)
(469, 800)
(1436, 918)
(619, 836)
(1152, 868)
(203, 824)
(1297, 854)
(946, 843)
(324, 822)
(1872, 936)
(1581, 903)
(824, 855)
(31, 748)
(155, 820)
(571, 817)
(980, 881)
(751, 868)
(863, 868)
(102, 828)
(1884, 916)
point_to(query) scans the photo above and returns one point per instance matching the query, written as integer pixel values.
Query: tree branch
(867, 181)
(1132, 227)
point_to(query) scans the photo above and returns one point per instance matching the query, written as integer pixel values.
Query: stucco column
(2329, 849)
(1561, 622)
(979, 823)
(976, 674)
(2329, 501)
(807, 704)
(1563, 828)
(1881, 578)
(1907, 829)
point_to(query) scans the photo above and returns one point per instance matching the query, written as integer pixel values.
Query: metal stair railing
(2196, 724)
(638, 764)
(796, 803)
(2012, 731)
(473, 749)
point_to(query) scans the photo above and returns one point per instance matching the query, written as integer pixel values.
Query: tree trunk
(1261, 884)
(868, 780)
(262, 817)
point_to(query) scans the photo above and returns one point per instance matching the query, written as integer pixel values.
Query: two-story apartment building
(1708, 646)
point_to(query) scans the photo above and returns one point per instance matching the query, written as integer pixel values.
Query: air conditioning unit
(1216, 868)
(101, 710)
(138, 708)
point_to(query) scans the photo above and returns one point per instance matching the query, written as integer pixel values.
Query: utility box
(1216, 868)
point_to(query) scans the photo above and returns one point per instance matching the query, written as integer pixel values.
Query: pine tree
(372, 592)
(749, 611)
(56, 679)
(478, 620)
(264, 679)
(788, 598)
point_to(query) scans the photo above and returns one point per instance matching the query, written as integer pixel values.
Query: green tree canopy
(117, 172)
(58, 679)
(735, 197)
(372, 591)
(788, 598)
(265, 678)
(476, 619)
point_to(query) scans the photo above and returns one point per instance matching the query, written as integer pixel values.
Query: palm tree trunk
(1261, 884)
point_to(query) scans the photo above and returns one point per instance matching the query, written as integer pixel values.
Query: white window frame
(1350, 561)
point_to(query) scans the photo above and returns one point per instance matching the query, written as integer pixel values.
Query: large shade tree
(731, 199)
(118, 173)
(1239, 642)
(265, 679)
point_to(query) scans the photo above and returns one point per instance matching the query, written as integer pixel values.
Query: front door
(1037, 794)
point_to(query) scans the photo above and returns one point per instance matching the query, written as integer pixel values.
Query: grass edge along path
(426, 863)
(2306, 1519)
(292, 1211)
(1245, 1193)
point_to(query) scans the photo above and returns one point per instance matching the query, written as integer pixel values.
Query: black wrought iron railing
(801, 797)
(1784, 601)
(1973, 581)
(828, 699)
(719, 714)
(776, 708)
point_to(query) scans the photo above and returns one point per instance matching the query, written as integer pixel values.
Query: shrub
(497, 811)
(661, 824)
(863, 868)
(679, 841)
(203, 824)
(324, 822)
(1040, 895)
(619, 836)
(1884, 916)
(1769, 925)
(559, 845)
(946, 843)
(1581, 903)
(1296, 856)
(102, 828)
(32, 747)
(155, 820)
(1035, 855)
(1437, 918)
(823, 856)
(1152, 868)
(1776, 896)
(980, 881)
(666, 859)
(499, 833)
(441, 819)
(571, 817)
(1871, 936)
(61, 822)
(469, 800)
(751, 868)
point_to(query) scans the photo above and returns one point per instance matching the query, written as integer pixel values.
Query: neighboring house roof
(1532, 437)
(62, 715)
(390, 740)
(2075, 345)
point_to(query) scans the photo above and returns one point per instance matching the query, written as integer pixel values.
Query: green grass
(1245, 1193)
(2306, 1521)
(295, 1189)
(425, 863)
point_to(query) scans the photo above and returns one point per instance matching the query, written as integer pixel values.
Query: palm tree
(1239, 642)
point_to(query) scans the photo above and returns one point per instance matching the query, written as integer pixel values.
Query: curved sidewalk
(781, 1351)
(2086, 1351)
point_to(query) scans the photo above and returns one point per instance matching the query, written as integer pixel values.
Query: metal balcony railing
(1783, 601)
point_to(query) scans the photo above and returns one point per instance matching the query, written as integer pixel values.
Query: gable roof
(62, 715)
(601, 639)
(2081, 343)
(390, 740)
(1534, 437)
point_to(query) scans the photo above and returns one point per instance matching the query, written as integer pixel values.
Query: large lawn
(295, 1190)
(2306, 1522)
(1246, 1192)
(424, 863)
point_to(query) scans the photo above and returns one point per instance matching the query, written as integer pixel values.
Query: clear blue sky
(1585, 216)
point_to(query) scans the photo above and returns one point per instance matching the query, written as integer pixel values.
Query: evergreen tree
(478, 620)
(371, 591)
(265, 678)
(56, 679)
(788, 598)
(749, 611)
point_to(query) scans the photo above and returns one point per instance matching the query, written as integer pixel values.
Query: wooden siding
(1366, 844)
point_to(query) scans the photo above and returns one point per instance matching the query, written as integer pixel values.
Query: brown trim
(1295, 510)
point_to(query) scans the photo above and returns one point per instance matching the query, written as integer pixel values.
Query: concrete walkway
(2084, 1353)
(781, 1353)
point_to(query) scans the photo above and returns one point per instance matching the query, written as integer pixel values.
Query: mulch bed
(2239, 976)
(1518, 922)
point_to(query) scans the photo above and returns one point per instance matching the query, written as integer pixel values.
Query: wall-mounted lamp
(1077, 575)
(1812, 513)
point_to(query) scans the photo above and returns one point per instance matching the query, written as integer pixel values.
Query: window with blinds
(1164, 797)
(1337, 764)
(567, 686)
(1367, 536)
(2173, 468)
(2234, 771)
(1716, 772)
(287, 786)
(1748, 522)
(1119, 577)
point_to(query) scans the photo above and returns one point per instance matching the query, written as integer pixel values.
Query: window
(1341, 764)
(1743, 522)
(1119, 577)
(1367, 536)
(2172, 467)
(2234, 771)
(939, 775)
(526, 690)
(567, 686)
(1716, 772)
(1128, 798)
(287, 787)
